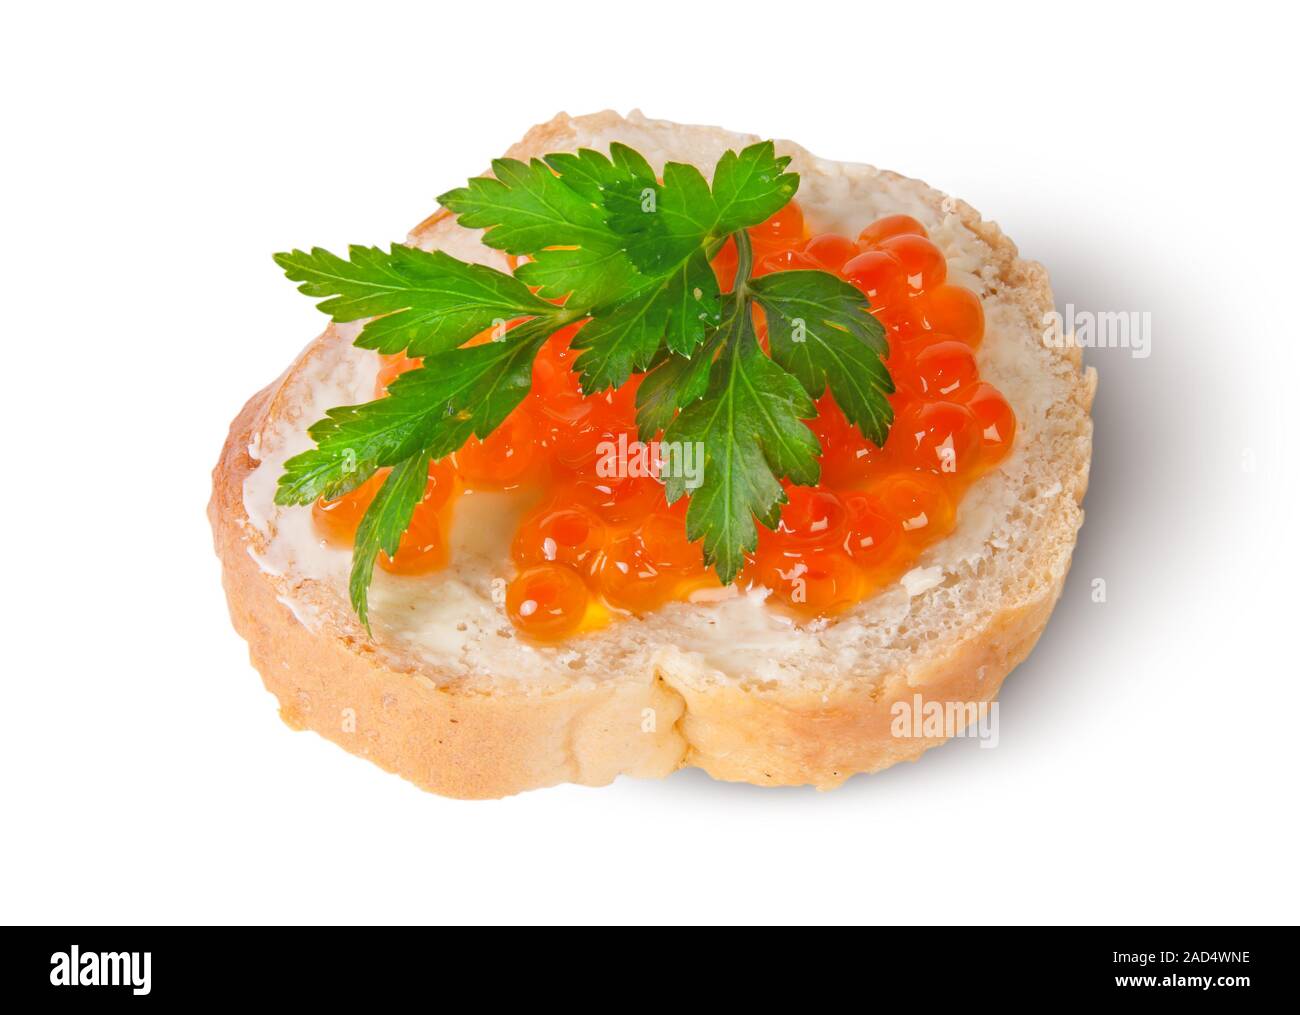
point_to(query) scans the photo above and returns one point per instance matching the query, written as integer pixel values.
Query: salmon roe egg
(547, 601)
(996, 421)
(955, 311)
(831, 251)
(725, 265)
(581, 449)
(924, 266)
(847, 457)
(633, 578)
(812, 519)
(940, 368)
(442, 480)
(941, 436)
(873, 533)
(786, 260)
(504, 459)
(423, 546)
(628, 581)
(663, 537)
(920, 502)
(565, 534)
(782, 234)
(556, 397)
(821, 582)
(618, 407)
(337, 519)
(643, 569)
(880, 277)
(618, 500)
(888, 227)
(783, 231)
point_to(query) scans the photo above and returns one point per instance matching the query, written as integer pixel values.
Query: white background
(154, 157)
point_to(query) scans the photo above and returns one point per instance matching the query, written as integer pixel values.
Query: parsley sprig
(608, 242)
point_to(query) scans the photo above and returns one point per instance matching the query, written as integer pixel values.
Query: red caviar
(598, 539)
(783, 231)
(922, 263)
(953, 311)
(997, 422)
(943, 437)
(547, 601)
(391, 368)
(888, 227)
(939, 367)
(816, 582)
(560, 534)
(337, 520)
(873, 533)
(502, 460)
(423, 547)
(831, 251)
(648, 566)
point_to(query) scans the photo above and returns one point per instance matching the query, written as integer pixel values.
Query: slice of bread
(447, 696)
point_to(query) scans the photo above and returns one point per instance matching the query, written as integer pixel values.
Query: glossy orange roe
(598, 540)
(547, 601)
(423, 547)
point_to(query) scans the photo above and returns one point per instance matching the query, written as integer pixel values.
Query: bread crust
(471, 743)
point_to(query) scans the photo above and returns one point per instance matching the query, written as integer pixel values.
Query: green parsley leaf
(630, 162)
(620, 338)
(586, 277)
(382, 526)
(662, 224)
(591, 173)
(751, 187)
(750, 425)
(436, 408)
(678, 309)
(551, 211)
(821, 332)
(431, 301)
(694, 303)
(673, 383)
(526, 207)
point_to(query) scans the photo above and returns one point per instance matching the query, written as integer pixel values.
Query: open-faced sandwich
(658, 446)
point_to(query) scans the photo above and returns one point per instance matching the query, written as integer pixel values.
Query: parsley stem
(744, 261)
